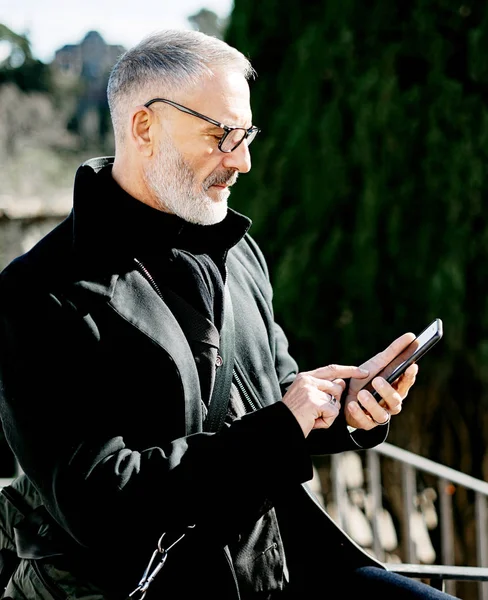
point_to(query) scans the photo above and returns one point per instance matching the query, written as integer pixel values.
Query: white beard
(174, 185)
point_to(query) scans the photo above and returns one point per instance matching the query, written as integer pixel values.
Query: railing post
(374, 483)
(481, 540)
(447, 533)
(339, 489)
(409, 488)
(447, 528)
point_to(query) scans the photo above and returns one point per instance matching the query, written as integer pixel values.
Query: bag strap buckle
(154, 566)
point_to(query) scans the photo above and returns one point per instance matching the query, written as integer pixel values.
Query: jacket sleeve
(337, 438)
(340, 438)
(285, 365)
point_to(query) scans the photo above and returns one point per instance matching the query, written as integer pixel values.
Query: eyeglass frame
(227, 128)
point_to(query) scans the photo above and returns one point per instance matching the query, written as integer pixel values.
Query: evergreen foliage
(368, 179)
(20, 67)
(367, 193)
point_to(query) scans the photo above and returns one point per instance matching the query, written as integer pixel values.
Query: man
(115, 346)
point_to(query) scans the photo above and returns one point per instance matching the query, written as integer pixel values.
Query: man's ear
(142, 130)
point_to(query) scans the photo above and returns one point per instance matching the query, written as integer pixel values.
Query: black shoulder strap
(214, 420)
(223, 376)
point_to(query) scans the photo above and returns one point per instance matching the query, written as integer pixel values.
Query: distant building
(86, 67)
(209, 22)
(93, 57)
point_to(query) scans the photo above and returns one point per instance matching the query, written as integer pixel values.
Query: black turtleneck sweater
(196, 269)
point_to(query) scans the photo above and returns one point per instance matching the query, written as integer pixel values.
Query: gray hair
(172, 60)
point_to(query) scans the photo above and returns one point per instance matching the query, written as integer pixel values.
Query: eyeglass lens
(235, 137)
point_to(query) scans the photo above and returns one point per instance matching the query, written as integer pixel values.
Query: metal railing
(441, 576)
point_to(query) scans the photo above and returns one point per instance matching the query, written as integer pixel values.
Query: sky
(50, 24)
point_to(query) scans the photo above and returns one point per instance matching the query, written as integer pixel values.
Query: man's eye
(214, 136)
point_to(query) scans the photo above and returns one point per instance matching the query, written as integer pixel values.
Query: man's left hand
(361, 409)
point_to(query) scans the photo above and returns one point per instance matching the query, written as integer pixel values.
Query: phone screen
(412, 353)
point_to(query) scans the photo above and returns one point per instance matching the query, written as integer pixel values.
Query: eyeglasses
(233, 136)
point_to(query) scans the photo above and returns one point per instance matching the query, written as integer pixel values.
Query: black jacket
(101, 403)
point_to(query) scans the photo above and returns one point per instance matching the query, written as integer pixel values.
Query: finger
(328, 414)
(412, 370)
(378, 361)
(323, 423)
(391, 401)
(339, 372)
(376, 413)
(333, 400)
(406, 381)
(340, 382)
(330, 387)
(357, 416)
(401, 385)
(384, 421)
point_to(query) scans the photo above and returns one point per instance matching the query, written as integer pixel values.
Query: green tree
(19, 66)
(367, 193)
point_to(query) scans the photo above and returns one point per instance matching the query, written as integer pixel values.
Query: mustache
(228, 177)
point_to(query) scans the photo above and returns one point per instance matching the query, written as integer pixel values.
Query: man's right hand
(315, 396)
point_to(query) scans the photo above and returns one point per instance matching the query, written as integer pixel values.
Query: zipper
(245, 393)
(149, 277)
(154, 285)
(249, 402)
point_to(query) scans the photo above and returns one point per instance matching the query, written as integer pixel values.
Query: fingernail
(364, 371)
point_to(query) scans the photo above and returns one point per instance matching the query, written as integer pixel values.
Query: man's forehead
(223, 97)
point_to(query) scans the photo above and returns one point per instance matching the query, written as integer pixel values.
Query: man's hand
(314, 397)
(361, 410)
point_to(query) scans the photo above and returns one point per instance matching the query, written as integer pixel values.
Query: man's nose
(239, 159)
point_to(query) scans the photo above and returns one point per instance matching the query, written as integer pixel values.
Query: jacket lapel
(133, 298)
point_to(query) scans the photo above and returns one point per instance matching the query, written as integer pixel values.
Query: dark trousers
(385, 585)
(363, 582)
(332, 583)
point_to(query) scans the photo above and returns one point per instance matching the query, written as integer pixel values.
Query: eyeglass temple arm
(190, 112)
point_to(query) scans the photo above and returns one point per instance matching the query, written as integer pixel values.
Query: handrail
(440, 571)
(441, 576)
(432, 467)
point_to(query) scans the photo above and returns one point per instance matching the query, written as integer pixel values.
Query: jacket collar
(104, 244)
(104, 216)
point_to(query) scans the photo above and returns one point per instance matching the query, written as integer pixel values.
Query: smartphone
(412, 353)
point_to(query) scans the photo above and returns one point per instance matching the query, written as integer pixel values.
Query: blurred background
(368, 178)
